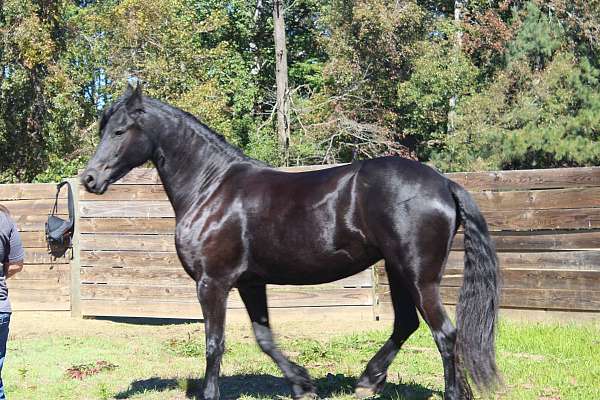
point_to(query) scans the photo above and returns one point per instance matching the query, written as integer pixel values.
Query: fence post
(75, 260)
(375, 289)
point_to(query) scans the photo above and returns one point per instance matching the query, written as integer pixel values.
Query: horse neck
(191, 164)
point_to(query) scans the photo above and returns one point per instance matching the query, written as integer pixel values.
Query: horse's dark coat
(243, 224)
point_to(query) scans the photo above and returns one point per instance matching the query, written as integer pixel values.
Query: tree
(542, 111)
(281, 77)
(354, 113)
(458, 15)
(365, 78)
(440, 72)
(39, 101)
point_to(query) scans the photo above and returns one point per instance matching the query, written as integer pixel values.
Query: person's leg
(4, 321)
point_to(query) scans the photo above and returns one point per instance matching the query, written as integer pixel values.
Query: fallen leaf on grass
(527, 386)
(549, 393)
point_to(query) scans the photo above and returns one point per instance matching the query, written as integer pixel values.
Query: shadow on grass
(149, 321)
(267, 386)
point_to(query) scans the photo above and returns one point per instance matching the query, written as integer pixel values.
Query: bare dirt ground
(32, 324)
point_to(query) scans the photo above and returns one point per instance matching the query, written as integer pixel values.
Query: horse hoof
(364, 393)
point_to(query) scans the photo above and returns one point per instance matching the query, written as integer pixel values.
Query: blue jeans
(4, 321)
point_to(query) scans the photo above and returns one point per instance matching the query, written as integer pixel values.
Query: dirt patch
(82, 371)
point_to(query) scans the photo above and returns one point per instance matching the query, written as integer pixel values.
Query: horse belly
(304, 265)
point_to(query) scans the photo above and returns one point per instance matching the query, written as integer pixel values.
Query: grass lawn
(51, 356)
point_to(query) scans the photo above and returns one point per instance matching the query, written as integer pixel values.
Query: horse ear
(134, 101)
(129, 91)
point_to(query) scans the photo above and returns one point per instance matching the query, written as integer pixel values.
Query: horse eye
(119, 132)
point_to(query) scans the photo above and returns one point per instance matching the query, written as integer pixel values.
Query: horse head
(124, 142)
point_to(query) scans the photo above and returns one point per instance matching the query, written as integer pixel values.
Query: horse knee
(445, 338)
(214, 347)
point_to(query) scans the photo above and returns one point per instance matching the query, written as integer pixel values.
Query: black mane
(190, 120)
(200, 128)
(108, 112)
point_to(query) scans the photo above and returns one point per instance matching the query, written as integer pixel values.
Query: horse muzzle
(93, 182)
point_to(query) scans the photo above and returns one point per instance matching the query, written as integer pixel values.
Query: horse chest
(214, 248)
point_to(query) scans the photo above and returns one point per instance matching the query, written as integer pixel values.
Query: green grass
(540, 362)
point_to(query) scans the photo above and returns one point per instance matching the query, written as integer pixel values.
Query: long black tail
(477, 308)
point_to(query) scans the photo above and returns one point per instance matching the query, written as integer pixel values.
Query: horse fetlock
(211, 392)
(299, 372)
(306, 391)
(302, 386)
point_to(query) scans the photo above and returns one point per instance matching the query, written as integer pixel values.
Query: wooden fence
(546, 227)
(545, 223)
(129, 266)
(43, 284)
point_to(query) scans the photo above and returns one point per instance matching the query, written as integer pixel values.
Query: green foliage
(367, 78)
(486, 35)
(439, 72)
(263, 147)
(60, 168)
(188, 347)
(530, 118)
(537, 39)
(354, 113)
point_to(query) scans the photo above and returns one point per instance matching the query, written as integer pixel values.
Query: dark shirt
(11, 250)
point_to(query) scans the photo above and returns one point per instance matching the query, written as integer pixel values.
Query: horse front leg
(212, 295)
(255, 300)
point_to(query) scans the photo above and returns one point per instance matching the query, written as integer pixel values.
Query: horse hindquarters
(415, 237)
(415, 260)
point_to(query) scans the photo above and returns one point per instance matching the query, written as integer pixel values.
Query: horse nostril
(89, 180)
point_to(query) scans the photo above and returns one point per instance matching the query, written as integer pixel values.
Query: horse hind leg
(406, 322)
(444, 335)
(414, 272)
(425, 290)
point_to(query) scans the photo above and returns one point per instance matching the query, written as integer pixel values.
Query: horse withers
(242, 224)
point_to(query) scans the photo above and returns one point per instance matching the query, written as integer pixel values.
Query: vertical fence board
(75, 293)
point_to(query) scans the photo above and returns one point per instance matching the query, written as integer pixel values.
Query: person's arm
(14, 261)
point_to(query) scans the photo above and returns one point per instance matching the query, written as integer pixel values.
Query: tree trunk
(458, 7)
(281, 77)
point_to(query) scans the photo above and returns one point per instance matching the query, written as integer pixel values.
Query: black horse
(243, 224)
